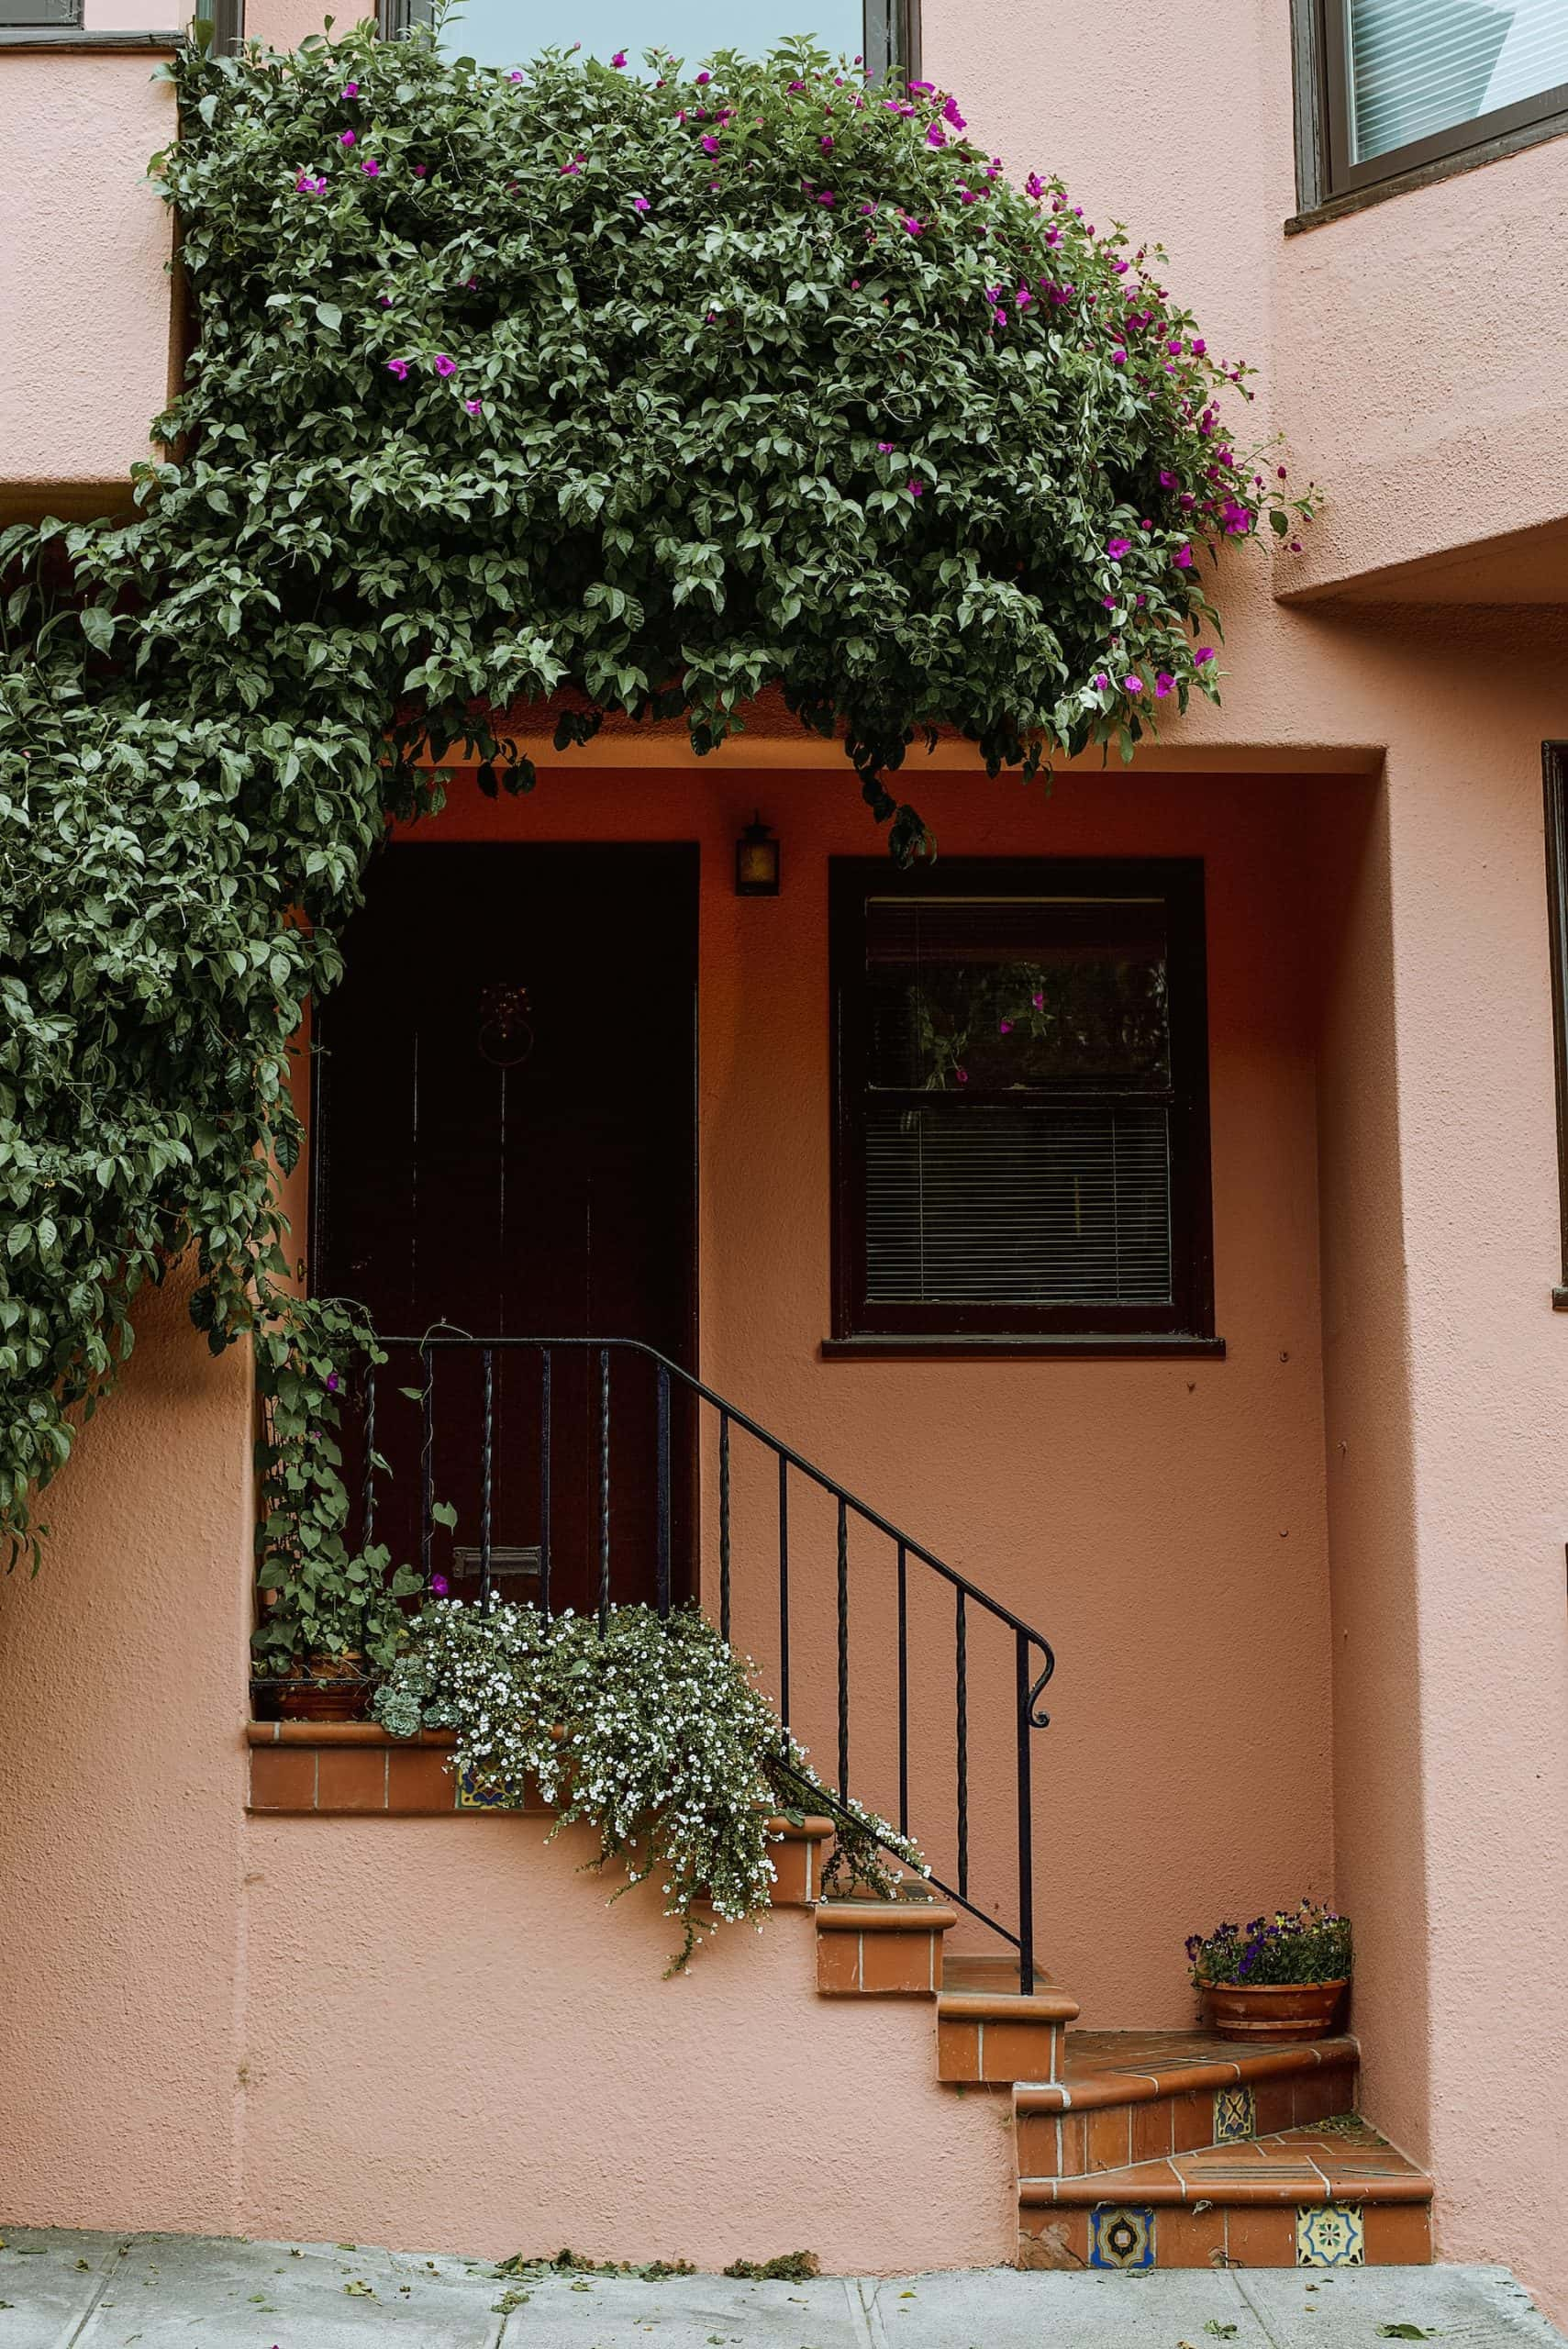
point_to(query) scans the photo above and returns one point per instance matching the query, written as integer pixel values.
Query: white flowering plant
(654, 1733)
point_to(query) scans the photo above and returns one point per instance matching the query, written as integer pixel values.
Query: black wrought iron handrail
(1034, 1661)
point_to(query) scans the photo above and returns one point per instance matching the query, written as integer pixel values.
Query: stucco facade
(1307, 1600)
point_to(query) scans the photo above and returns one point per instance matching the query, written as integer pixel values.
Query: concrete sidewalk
(61, 2290)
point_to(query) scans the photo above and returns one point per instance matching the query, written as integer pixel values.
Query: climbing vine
(560, 386)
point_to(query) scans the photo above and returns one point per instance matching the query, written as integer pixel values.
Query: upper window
(508, 32)
(1410, 81)
(1022, 1102)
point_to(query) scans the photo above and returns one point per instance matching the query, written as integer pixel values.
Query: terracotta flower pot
(1272, 2011)
(330, 1689)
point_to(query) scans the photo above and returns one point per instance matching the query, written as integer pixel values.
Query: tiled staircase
(1139, 2149)
(1134, 2149)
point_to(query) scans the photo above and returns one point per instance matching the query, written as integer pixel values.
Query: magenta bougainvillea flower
(445, 366)
(351, 89)
(474, 407)
(398, 367)
(640, 204)
(917, 489)
(885, 448)
(439, 1586)
(709, 144)
(1116, 548)
(910, 226)
(347, 138)
(618, 59)
(1183, 558)
(371, 168)
(1164, 681)
(306, 185)
(1101, 681)
(575, 164)
(1204, 652)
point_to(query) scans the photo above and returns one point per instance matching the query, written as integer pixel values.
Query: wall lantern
(756, 862)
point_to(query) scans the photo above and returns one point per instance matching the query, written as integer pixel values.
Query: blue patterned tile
(1235, 2115)
(482, 1790)
(1121, 2238)
(1329, 2234)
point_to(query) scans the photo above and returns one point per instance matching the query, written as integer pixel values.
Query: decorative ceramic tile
(1121, 2238)
(1329, 2234)
(482, 1790)
(1235, 2115)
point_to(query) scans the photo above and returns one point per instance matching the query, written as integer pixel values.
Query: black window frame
(1326, 174)
(891, 39)
(860, 1326)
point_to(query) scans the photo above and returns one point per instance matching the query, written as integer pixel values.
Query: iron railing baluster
(783, 1590)
(1026, 1814)
(487, 1478)
(961, 1675)
(664, 1494)
(544, 1449)
(903, 1690)
(368, 1508)
(724, 1525)
(843, 1648)
(603, 1490)
(427, 1463)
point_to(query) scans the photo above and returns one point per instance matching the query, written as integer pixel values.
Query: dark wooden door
(505, 1144)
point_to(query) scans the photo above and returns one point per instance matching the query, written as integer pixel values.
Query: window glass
(1421, 67)
(508, 32)
(1009, 996)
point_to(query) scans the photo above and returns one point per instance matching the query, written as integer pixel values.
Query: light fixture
(756, 862)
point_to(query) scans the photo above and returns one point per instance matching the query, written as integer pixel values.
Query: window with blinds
(1022, 1102)
(1411, 81)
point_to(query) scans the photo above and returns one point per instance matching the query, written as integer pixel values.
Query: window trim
(1186, 1326)
(1327, 182)
(890, 31)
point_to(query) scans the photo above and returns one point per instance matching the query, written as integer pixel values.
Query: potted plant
(1277, 1979)
(331, 1620)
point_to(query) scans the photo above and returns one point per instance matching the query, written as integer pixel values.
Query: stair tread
(1106, 2067)
(982, 1986)
(1340, 2162)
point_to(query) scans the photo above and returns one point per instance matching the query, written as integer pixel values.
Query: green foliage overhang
(649, 393)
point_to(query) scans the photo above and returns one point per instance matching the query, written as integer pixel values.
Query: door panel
(505, 1139)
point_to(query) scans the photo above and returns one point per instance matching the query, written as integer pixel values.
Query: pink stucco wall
(85, 325)
(1310, 1612)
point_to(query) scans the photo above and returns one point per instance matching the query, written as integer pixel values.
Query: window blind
(1420, 67)
(1034, 1206)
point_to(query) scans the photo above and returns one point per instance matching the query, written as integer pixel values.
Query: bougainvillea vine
(627, 394)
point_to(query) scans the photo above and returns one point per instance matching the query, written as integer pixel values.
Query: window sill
(74, 38)
(1444, 167)
(1077, 1347)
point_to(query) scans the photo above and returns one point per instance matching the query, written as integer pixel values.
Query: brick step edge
(1097, 2090)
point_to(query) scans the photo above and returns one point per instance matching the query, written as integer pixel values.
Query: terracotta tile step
(1102, 2067)
(989, 2032)
(1263, 2092)
(1297, 2167)
(881, 1948)
(1332, 2234)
